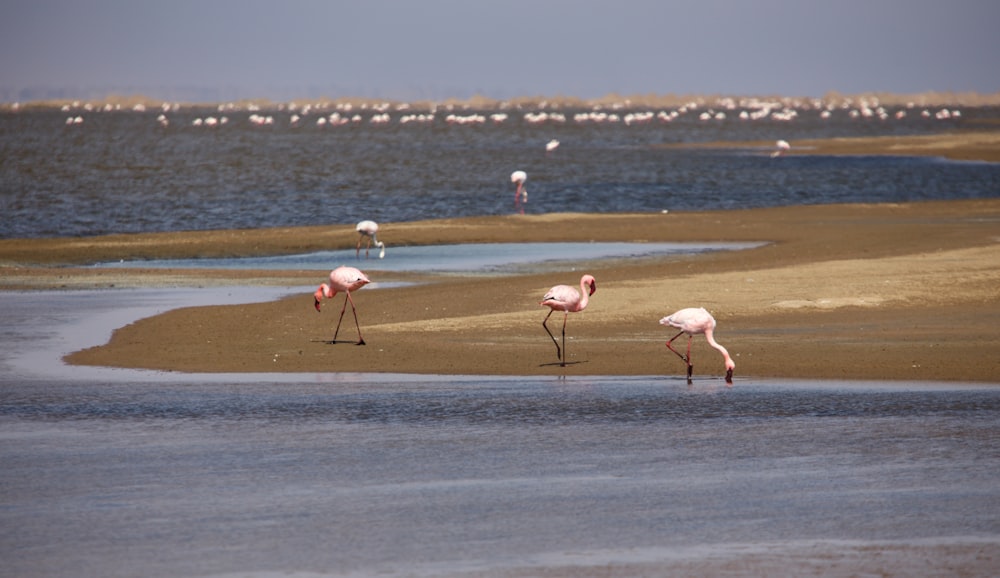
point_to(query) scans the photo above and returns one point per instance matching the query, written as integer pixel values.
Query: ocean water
(122, 172)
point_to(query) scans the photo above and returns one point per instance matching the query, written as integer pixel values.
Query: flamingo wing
(692, 320)
(367, 227)
(347, 279)
(561, 297)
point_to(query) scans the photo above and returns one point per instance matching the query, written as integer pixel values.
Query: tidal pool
(472, 257)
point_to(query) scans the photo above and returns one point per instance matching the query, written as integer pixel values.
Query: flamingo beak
(729, 376)
(317, 304)
(593, 287)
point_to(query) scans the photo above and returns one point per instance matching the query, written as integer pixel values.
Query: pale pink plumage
(695, 320)
(369, 230)
(345, 279)
(568, 300)
(521, 194)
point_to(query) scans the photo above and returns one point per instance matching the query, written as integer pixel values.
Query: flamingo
(551, 145)
(780, 147)
(567, 299)
(521, 193)
(344, 279)
(368, 229)
(692, 321)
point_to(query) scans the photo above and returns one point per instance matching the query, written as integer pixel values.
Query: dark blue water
(122, 172)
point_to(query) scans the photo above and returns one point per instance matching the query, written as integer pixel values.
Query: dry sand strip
(846, 291)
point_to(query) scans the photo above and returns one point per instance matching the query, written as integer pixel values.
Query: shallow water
(481, 258)
(119, 472)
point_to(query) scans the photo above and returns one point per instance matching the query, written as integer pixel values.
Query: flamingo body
(368, 230)
(520, 194)
(568, 300)
(343, 279)
(694, 321)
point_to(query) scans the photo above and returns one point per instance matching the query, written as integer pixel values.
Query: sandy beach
(892, 291)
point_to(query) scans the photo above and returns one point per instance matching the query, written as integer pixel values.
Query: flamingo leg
(347, 299)
(671, 348)
(685, 358)
(361, 340)
(517, 199)
(553, 337)
(690, 367)
(344, 308)
(562, 361)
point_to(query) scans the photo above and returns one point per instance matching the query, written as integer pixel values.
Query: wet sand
(895, 291)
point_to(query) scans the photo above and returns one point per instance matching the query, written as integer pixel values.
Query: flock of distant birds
(380, 114)
(690, 321)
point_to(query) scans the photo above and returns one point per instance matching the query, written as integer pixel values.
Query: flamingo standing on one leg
(695, 320)
(368, 229)
(567, 299)
(344, 279)
(521, 194)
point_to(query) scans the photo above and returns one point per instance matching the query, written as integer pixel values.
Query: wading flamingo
(368, 229)
(344, 279)
(567, 299)
(692, 321)
(521, 194)
(780, 148)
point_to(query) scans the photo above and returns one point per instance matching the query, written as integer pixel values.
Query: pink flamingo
(694, 320)
(567, 299)
(780, 148)
(344, 279)
(521, 194)
(368, 229)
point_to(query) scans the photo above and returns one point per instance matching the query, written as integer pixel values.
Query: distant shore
(887, 291)
(613, 101)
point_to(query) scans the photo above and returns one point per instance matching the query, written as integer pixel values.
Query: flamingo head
(592, 283)
(323, 291)
(381, 245)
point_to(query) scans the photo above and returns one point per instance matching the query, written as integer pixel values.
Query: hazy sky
(412, 49)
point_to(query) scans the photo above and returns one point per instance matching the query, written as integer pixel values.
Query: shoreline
(814, 303)
(907, 291)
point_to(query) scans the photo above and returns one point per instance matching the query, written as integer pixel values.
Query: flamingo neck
(584, 297)
(730, 364)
